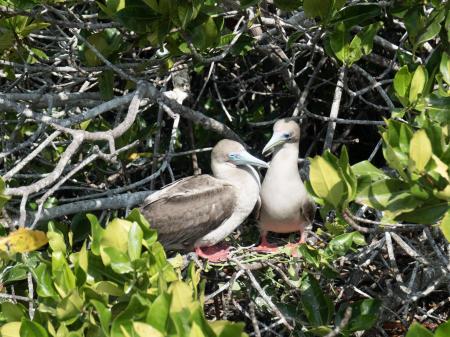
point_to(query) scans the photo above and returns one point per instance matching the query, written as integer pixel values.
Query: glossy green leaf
(158, 314)
(317, 306)
(11, 329)
(135, 236)
(357, 14)
(70, 307)
(32, 329)
(97, 233)
(432, 28)
(325, 181)
(444, 67)
(427, 214)
(318, 8)
(120, 262)
(104, 315)
(339, 43)
(44, 281)
(417, 330)
(288, 5)
(443, 330)
(341, 244)
(402, 81)
(385, 194)
(445, 227)
(56, 239)
(146, 330)
(367, 168)
(13, 312)
(420, 150)
(418, 82)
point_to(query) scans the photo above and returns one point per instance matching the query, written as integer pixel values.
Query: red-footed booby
(286, 206)
(198, 212)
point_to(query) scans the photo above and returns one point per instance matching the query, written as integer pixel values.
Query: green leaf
(288, 5)
(185, 13)
(418, 82)
(146, 330)
(402, 81)
(119, 261)
(420, 150)
(417, 330)
(362, 43)
(158, 314)
(326, 181)
(182, 296)
(13, 312)
(445, 227)
(318, 8)
(7, 39)
(339, 43)
(104, 314)
(135, 236)
(56, 239)
(11, 329)
(341, 244)
(70, 307)
(443, 330)
(44, 281)
(31, 329)
(388, 194)
(205, 35)
(444, 67)
(364, 314)
(137, 16)
(317, 306)
(367, 168)
(433, 27)
(357, 14)
(310, 254)
(97, 233)
(427, 214)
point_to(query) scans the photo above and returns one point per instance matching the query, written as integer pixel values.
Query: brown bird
(198, 212)
(286, 206)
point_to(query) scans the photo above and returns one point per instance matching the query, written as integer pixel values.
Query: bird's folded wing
(189, 209)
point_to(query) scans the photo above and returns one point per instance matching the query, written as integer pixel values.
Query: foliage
(417, 330)
(122, 286)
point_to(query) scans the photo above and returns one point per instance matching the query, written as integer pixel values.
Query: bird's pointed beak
(245, 158)
(277, 139)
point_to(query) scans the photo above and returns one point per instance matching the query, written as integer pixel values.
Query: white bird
(198, 212)
(286, 206)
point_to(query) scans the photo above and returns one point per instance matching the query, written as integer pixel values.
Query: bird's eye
(286, 135)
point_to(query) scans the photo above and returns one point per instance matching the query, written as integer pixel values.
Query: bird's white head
(285, 131)
(231, 152)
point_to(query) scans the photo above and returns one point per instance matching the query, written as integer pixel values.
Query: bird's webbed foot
(266, 247)
(216, 253)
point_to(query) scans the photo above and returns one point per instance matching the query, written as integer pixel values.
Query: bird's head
(284, 131)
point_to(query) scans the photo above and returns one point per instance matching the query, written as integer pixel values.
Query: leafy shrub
(122, 285)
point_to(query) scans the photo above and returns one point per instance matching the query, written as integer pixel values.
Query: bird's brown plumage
(179, 215)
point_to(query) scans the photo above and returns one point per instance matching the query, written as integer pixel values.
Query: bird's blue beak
(245, 158)
(278, 138)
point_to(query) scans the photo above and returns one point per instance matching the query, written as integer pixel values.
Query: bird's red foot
(266, 247)
(216, 253)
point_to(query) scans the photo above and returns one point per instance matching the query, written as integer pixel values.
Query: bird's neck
(245, 178)
(285, 158)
